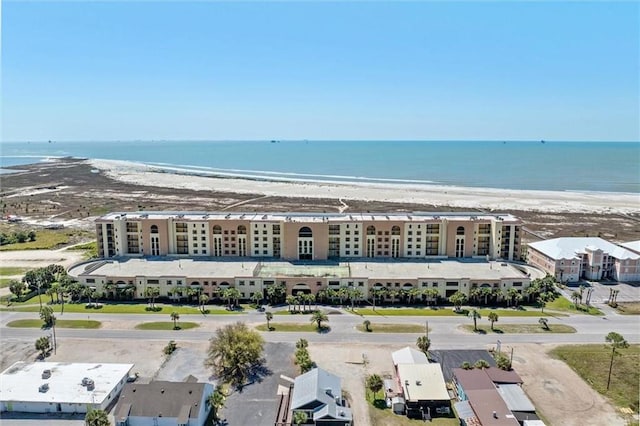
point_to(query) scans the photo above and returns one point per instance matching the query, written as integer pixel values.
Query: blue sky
(320, 70)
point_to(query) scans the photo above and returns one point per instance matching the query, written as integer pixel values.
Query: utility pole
(53, 327)
(427, 329)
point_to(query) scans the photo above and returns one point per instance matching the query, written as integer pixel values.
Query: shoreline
(429, 194)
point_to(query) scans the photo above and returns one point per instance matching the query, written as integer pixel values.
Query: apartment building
(309, 236)
(305, 253)
(572, 259)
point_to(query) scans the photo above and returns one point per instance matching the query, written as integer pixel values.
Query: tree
(302, 343)
(216, 401)
(493, 317)
(231, 295)
(299, 417)
(319, 317)
(542, 302)
(46, 315)
(544, 323)
(458, 299)
(303, 360)
(152, 293)
(424, 343)
(17, 287)
(374, 384)
(234, 352)
(367, 325)
(256, 298)
(466, 366)
(96, 418)
(43, 344)
(616, 341)
(291, 301)
(481, 364)
(204, 299)
(269, 316)
(475, 316)
(575, 296)
(175, 317)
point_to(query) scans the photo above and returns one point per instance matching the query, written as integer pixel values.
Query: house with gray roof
(318, 394)
(162, 403)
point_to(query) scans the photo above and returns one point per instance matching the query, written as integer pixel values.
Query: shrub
(170, 348)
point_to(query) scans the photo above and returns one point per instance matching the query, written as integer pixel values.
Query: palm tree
(374, 384)
(269, 317)
(542, 301)
(474, 294)
(367, 325)
(575, 296)
(43, 344)
(203, 301)
(291, 300)
(302, 343)
(493, 317)
(431, 295)
(17, 287)
(466, 365)
(46, 315)
(152, 293)
(256, 298)
(486, 292)
(231, 294)
(616, 341)
(544, 323)
(481, 364)
(475, 316)
(96, 418)
(216, 401)
(319, 317)
(458, 298)
(175, 317)
(424, 343)
(393, 293)
(512, 294)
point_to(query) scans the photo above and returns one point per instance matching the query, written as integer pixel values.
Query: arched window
(305, 232)
(371, 230)
(395, 230)
(460, 230)
(154, 229)
(242, 230)
(217, 229)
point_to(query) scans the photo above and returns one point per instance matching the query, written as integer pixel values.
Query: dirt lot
(559, 394)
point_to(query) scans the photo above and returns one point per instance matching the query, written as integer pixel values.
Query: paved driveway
(256, 404)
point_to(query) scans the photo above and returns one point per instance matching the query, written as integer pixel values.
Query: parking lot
(628, 292)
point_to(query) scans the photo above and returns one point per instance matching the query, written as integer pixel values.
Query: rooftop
(207, 267)
(309, 217)
(421, 382)
(315, 386)
(634, 246)
(161, 399)
(21, 382)
(409, 355)
(515, 398)
(570, 247)
(490, 408)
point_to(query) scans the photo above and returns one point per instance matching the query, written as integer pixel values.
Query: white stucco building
(56, 387)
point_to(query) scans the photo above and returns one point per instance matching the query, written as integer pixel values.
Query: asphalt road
(445, 332)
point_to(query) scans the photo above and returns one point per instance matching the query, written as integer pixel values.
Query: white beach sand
(435, 195)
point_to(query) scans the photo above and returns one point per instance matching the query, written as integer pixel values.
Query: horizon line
(324, 140)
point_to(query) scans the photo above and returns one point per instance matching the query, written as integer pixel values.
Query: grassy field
(115, 308)
(12, 270)
(37, 323)
(442, 312)
(627, 308)
(520, 328)
(563, 304)
(166, 325)
(393, 328)
(380, 415)
(45, 239)
(4, 282)
(275, 326)
(591, 362)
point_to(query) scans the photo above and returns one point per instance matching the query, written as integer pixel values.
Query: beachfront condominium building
(571, 259)
(309, 236)
(177, 253)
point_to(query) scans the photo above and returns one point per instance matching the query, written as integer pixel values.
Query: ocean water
(580, 166)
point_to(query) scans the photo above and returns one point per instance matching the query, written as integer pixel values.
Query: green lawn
(12, 270)
(276, 326)
(393, 328)
(380, 415)
(592, 362)
(45, 239)
(115, 308)
(4, 282)
(166, 325)
(520, 328)
(37, 323)
(426, 311)
(563, 304)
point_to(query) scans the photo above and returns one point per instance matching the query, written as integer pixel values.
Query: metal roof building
(57, 387)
